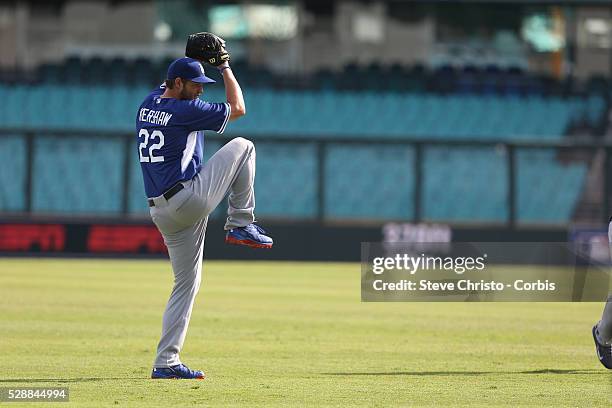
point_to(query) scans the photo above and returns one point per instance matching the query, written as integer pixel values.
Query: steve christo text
(464, 285)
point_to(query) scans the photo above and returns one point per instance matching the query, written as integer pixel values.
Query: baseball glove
(208, 48)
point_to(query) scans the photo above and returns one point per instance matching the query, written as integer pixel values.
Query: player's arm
(210, 48)
(233, 92)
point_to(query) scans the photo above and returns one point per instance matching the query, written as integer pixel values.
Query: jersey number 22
(151, 158)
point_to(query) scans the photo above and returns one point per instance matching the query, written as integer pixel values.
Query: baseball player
(182, 190)
(602, 331)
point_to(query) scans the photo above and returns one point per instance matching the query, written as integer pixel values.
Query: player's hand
(207, 47)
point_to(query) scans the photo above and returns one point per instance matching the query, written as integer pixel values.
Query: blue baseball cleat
(252, 235)
(180, 371)
(604, 351)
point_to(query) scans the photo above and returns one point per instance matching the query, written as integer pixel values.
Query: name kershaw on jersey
(154, 116)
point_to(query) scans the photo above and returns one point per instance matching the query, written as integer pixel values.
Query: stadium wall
(303, 241)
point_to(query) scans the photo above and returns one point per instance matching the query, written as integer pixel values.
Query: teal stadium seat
(83, 176)
(4, 93)
(315, 113)
(12, 178)
(13, 107)
(365, 181)
(286, 180)
(539, 199)
(464, 184)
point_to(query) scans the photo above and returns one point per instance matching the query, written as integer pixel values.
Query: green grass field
(286, 334)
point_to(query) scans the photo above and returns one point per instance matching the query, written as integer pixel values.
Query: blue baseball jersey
(171, 138)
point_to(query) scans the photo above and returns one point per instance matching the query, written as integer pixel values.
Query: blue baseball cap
(190, 69)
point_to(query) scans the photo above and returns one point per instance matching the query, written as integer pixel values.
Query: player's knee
(246, 144)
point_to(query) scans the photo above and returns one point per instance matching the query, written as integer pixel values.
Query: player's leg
(185, 249)
(232, 170)
(602, 332)
(605, 324)
(604, 327)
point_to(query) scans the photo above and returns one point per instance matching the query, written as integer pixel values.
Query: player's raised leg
(232, 170)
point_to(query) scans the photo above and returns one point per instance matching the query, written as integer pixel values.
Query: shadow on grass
(68, 380)
(433, 373)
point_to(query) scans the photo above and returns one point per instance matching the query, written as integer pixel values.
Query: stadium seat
(369, 181)
(464, 184)
(71, 182)
(539, 200)
(319, 113)
(12, 179)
